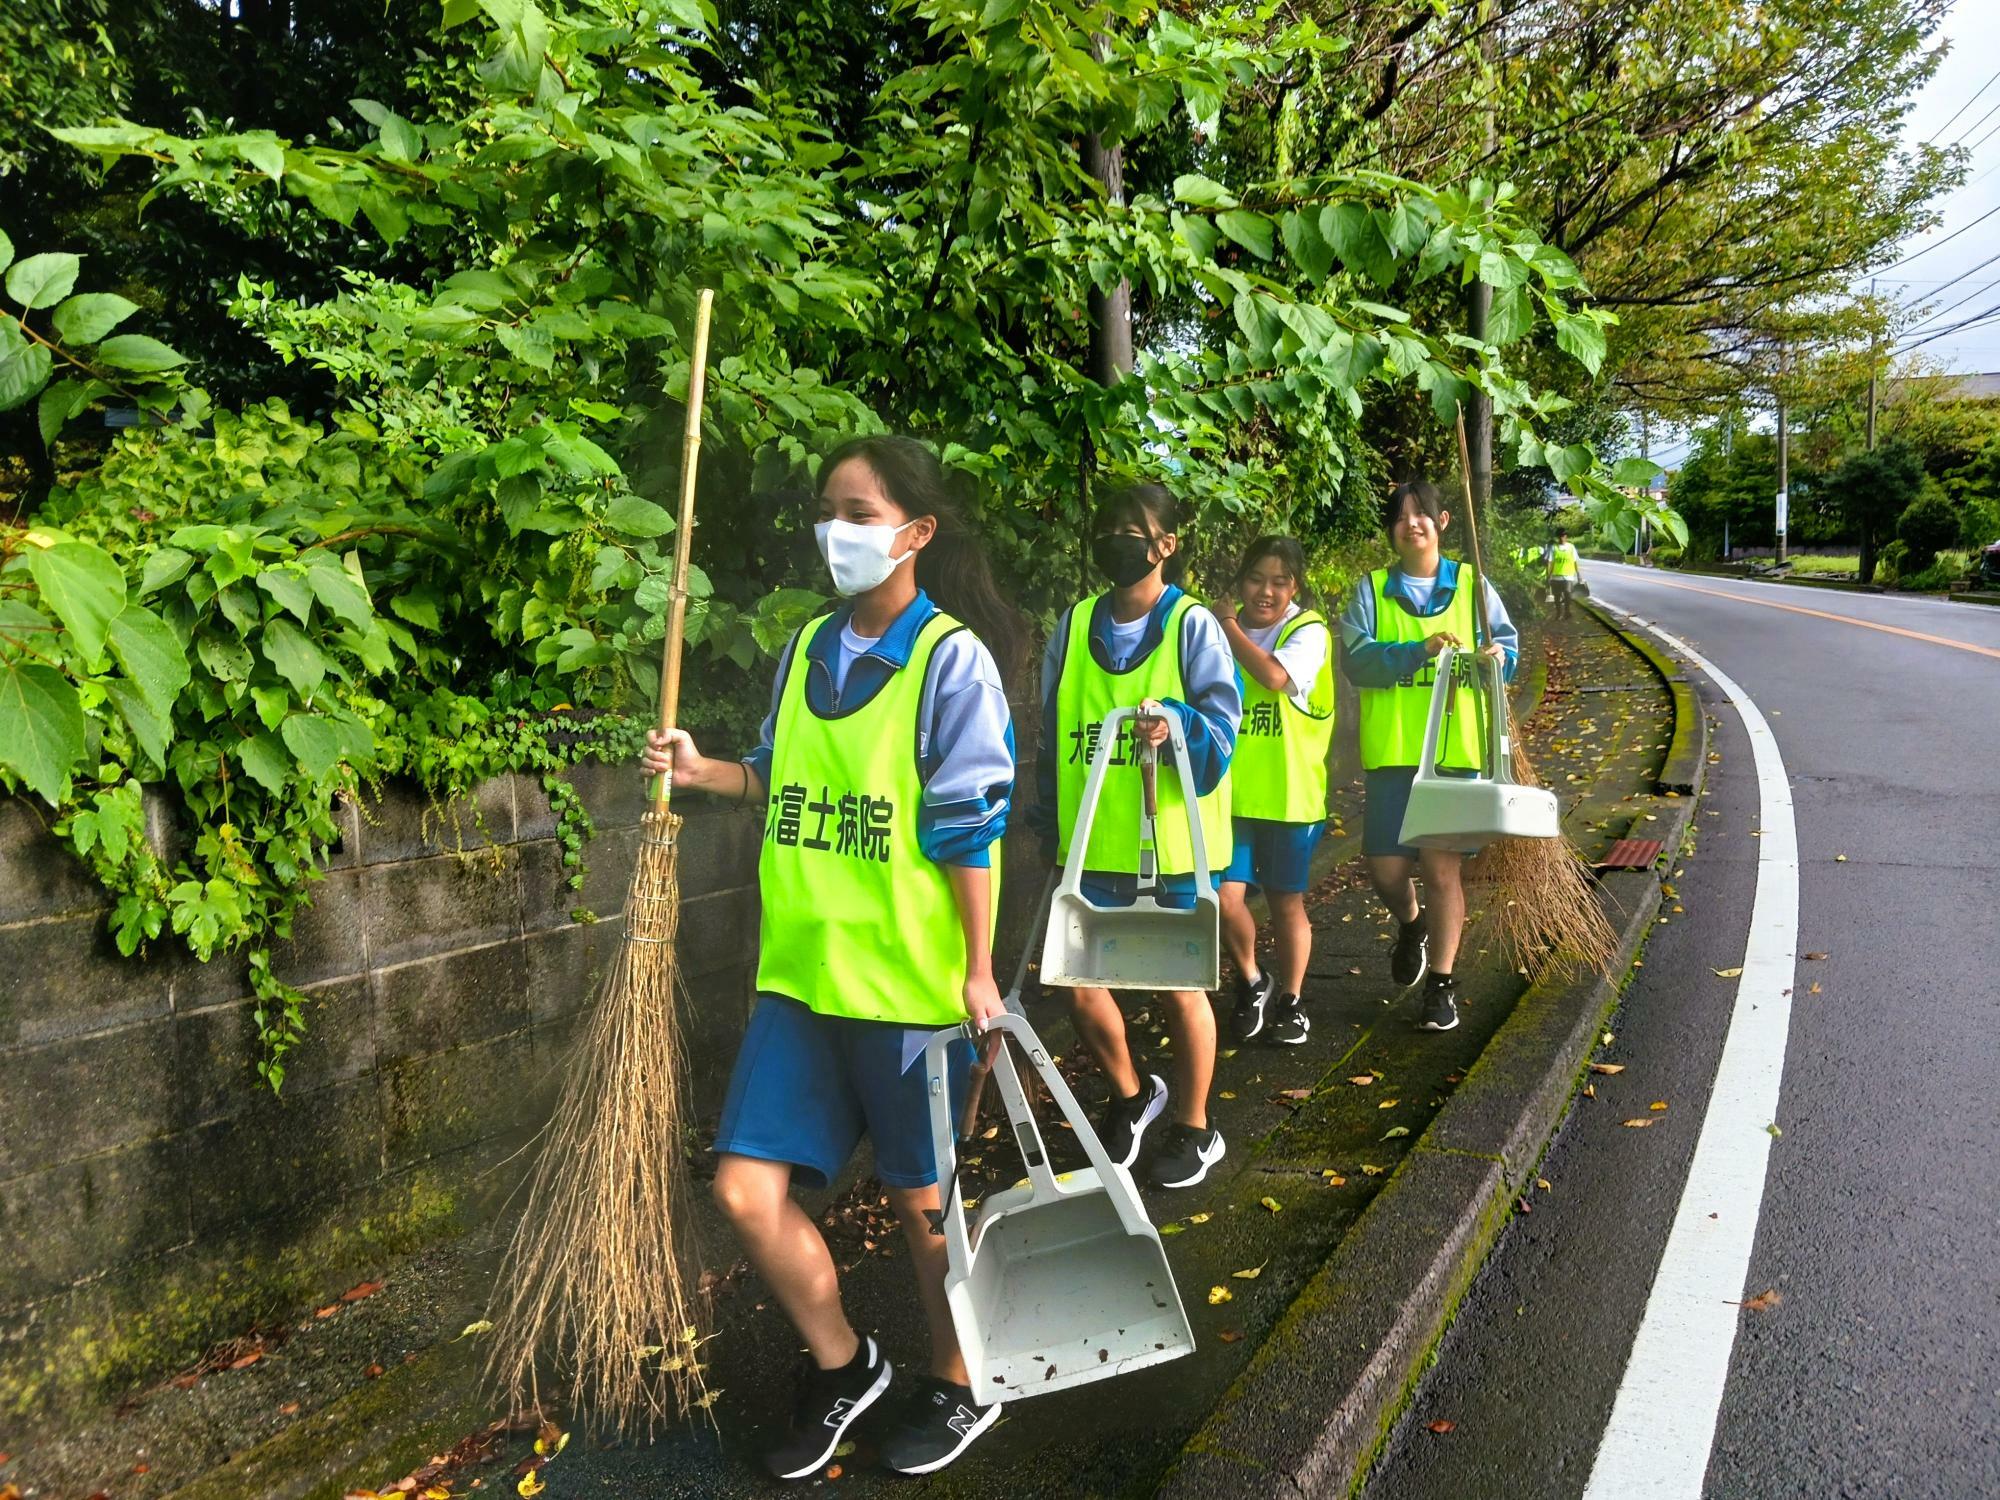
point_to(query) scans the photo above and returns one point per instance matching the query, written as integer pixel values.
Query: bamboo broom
(594, 1286)
(1549, 919)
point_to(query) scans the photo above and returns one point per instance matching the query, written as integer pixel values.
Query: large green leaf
(167, 565)
(83, 586)
(42, 280)
(516, 63)
(291, 591)
(1509, 315)
(338, 590)
(264, 758)
(134, 351)
(151, 727)
(6, 251)
(41, 726)
(1356, 237)
(1202, 192)
(1250, 230)
(22, 374)
(636, 517)
(297, 659)
(1582, 338)
(87, 318)
(1306, 245)
(150, 654)
(314, 741)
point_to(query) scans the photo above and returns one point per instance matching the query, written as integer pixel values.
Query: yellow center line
(1800, 609)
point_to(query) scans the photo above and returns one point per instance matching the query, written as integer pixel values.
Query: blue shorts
(807, 1087)
(1274, 856)
(1386, 796)
(1107, 888)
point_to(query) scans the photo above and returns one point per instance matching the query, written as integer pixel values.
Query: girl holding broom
(1391, 634)
(1277, 781)
(878, 884)
(1143, 643)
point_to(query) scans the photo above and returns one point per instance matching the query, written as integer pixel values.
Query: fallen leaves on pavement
(1217, 1295)
(1440, 1426)
(1728, 973)
(1640, 1124)
(1609, 1069)
(1764, 1301)
(1250, 1273)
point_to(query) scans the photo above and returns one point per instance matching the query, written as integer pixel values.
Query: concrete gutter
(1312, 1409)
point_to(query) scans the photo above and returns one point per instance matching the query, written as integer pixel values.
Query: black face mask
(1123, 559)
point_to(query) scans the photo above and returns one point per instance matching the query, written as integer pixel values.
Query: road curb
(1312, 1409)
(1681, 770)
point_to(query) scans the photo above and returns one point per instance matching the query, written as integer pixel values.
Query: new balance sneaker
(1440, 1004)
(1251, 1000)
(1185, 1156)
(828, 1403)
(1288, 1025)
(1124, 1123)
(1411, 956)
(939, 1424)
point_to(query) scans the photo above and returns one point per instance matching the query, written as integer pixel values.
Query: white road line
(1662, 1426)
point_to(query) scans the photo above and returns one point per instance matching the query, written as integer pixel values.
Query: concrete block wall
(155, 1197)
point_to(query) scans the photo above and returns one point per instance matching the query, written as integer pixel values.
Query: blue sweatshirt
(1369, 663)
(965, 733)
(1208, 721)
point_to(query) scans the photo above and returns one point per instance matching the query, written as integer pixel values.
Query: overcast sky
(1959, 106)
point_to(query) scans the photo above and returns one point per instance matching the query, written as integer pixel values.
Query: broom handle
(670, 659)
(1472, 526)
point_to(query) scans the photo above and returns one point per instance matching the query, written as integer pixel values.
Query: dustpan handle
(1494, 693)
(948, 1218)
(1093, 790)
(1117, 1182)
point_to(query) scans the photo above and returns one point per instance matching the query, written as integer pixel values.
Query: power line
(1930, 318)
(1977, 320)
(1976, 124)
(1974, 270)
(1986, 137)
(1967, 105)
(1926, 250)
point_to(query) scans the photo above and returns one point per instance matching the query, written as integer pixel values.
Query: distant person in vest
(1391, 634)
(1565, 571)
(888, 758)
(1142, 643)
(1277, 780)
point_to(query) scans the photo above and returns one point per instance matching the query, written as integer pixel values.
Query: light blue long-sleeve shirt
(965, 732)
(1208, 719)
(1369, 663)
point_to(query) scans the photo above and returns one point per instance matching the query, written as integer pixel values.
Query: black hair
(1426, 494)
(1150, 507)
(952, 566)
(1287, 551)
(1563, 532)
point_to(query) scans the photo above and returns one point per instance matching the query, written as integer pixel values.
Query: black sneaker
(939, 1424)
(1288, 1025)
(1251, 999)
(828, 1403)
(1124, 1123)
(1411, 957)
(1440, 1004)
(1185, 1156)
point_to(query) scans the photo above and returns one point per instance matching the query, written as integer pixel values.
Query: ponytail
(952, 566)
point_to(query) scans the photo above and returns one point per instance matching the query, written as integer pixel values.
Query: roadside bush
(1927, 526)
(1889, 564)
(1667, 557)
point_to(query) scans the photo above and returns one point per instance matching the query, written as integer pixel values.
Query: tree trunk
(1110, 312)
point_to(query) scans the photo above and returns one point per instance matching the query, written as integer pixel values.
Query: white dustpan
(1144, 946)
(1060, 1281)
(1470, 812)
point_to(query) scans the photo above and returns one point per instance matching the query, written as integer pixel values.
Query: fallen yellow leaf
(1658, 1105)
(1638, 1124)
(1363, 1080)
(1250, 1273)
(1607, 1068)
(1197, 1218)
(482, 1326)
(531, 1484)
(1217, 1295)
(1372, 1171)
(1272, 1204)
(1728, 973)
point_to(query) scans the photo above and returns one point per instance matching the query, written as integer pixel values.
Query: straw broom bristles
(595, 1278)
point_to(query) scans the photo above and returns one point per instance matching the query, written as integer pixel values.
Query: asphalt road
(1877, 1370)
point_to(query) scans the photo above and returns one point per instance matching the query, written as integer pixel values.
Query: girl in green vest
(1277, 780)
(886, 767)
(1144, 643)
(1391, 634)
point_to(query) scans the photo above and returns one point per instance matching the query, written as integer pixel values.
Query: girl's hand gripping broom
(595, 1283)
(1547, 913)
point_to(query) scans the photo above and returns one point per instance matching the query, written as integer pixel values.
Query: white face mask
(857, 555)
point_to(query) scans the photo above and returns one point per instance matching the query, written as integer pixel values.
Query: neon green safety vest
(1279, 768)
(1392, 719)
(1084, 695)
(1562, 560)
(857, 920)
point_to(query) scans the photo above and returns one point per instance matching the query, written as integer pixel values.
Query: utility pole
(1874, 360)
(1784, 466)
